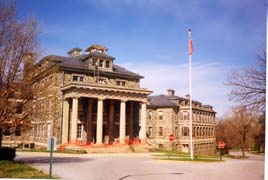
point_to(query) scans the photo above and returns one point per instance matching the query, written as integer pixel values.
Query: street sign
(171, 137)
(221, 145)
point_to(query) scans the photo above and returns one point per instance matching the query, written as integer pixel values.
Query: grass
(11, 169)
(68, 151)
(181, 156)
(189, 159)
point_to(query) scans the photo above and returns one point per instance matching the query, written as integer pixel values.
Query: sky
(150, 37)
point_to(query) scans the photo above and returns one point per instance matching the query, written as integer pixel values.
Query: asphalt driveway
(143, 167)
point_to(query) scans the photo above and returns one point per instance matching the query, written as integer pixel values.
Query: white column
(74, 119)
(99, 121)
(122, 133)
(142, 133)
(65, 123)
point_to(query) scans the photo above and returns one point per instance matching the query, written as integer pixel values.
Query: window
(120, 83)
(160, 133)
(160, 146)
(94, 62)
(150, 131)
(160, 115)
(107, 64)
(185, 131)
(101, 63)
(75, 78)
(18, 131)
(79, 131)
(150, 115)
(185, 115)
(7, 131)
(78, 78)
(176, 132)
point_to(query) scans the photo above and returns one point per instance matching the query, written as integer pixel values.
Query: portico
(98, 114)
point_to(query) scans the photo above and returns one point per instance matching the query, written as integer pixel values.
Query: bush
(7, 153)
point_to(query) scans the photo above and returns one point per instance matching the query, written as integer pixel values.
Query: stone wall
(173, 122)
(47, 107)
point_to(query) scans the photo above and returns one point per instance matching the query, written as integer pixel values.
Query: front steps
(134, 148)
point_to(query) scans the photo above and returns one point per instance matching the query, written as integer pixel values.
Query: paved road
(142, 167)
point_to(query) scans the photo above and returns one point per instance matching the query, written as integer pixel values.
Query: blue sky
(150, 37)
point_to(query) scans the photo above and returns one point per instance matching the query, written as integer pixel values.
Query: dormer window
(101, 63)
(94, 62)
(107, 64)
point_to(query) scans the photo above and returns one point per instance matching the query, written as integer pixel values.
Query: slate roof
(161, 101)
(166, 101)
(81, 63)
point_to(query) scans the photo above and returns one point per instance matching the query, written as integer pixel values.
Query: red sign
(171, 137)
(221, 145)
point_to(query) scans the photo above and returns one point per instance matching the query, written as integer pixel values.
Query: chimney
(29, 60)
(171, 92)
(74, 52)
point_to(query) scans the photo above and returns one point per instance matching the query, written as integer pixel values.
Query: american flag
(190, 47)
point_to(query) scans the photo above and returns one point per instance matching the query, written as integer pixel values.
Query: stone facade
(169, 114)
(85, 99)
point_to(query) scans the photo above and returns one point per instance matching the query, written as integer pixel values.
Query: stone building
(86, 99)
(169, 114)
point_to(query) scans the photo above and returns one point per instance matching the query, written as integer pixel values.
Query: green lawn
(10, 169)
(68, 151)
(180, 156)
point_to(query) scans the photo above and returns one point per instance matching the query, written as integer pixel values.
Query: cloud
(207, 81)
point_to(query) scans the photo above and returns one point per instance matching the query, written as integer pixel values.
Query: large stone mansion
(87, 100)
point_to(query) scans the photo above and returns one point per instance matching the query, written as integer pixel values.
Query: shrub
(7, 153)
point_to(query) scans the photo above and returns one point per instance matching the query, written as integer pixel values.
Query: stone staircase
(108, 148)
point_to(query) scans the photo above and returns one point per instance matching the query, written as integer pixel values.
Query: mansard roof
(170, 101)
(161, 101)
(80, 63)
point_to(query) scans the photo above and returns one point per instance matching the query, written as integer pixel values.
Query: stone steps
(109, 148)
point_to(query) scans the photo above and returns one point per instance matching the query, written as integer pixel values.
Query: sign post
(171, 138)
(51, 146)
(221, 146)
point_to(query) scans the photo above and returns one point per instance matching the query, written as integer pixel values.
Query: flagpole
(190, 98)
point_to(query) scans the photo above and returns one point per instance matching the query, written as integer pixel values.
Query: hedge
(7, 153)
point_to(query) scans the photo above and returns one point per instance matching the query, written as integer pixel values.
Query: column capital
(101, 98)
(144, 101)
(123, 100)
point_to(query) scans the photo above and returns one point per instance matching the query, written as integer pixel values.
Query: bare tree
(241, 129)
(18, 42)
(249, 85)
(243, 123)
